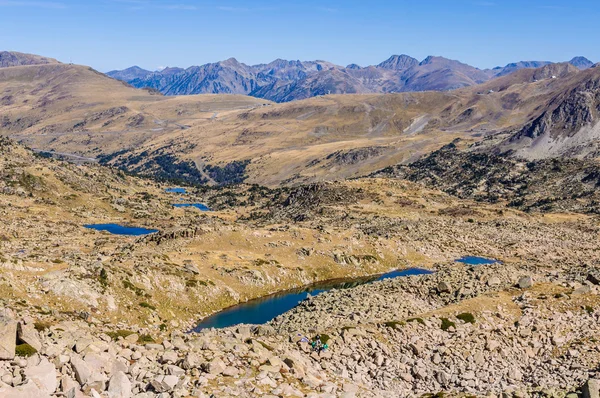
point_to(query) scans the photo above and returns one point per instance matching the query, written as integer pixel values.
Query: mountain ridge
(288, 80)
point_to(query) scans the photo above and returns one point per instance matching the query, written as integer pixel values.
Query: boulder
(43, 375)
(8, 338)
(119, 386)
(494, 281)
(585, 289)
(81, 369)
(215, 367)
(28, 334)
(444, 287)
(591, 389)
(525, 282)
(28, 390)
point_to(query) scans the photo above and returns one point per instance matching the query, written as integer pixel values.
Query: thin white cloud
(31, 4)
(178, 7)
(136, 5)
(233, 9)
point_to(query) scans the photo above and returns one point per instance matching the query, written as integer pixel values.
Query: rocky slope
(88, 314)
(567, 127)
(540, 185)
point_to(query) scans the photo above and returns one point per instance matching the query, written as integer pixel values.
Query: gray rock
(43, 375)
(28, 334)
(215, 367)
(444, 287)
(582, 290)
(169, 357)
(81, 369)
(8, 338)
(231, 371)
(27, 390)
(525, 282)
(591, 389)
(119, 386)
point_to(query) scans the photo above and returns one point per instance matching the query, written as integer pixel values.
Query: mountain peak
(399, 62)
(581, 62)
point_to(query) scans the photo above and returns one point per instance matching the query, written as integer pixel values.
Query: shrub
(146, 338)
(41, 326)
(589, 309)
(103, 277)
(418, 320)
(119, 333)
(447, 324)
(394, 324)
(128, 285)
(24, 350)
(144, 304)
(466, 317)
(324, 338)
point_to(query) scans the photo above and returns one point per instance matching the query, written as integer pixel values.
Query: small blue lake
(472, 260)
(117, 229)
(175, 190)
(200, 206)
(263, 309)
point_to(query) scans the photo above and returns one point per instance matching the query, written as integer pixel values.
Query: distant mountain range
(283, 81)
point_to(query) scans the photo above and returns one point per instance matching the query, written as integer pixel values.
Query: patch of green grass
(394, 324)
(418, 320)
(57, 261)
(447, 324)
(324, 338)
(138, 291)
(119, 333)
(589, 309)
(103, 277)
(24, 350)
(144, 304)
(195, 283)
(440, 394)
(466, 317)
(41, 326)
(146, 338)
(162, 327)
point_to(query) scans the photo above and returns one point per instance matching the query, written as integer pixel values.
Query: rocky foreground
(485, 331)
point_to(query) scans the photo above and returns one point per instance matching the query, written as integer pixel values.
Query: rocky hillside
(540, 185)
(283, 81)
(568, 126)
(12, 58)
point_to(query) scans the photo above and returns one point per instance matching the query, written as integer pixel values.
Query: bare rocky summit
(12, 58)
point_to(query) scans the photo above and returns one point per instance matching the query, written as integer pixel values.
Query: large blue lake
(264, 309)
(121, 229)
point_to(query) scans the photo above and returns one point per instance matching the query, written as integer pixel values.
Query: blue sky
(114, 34)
